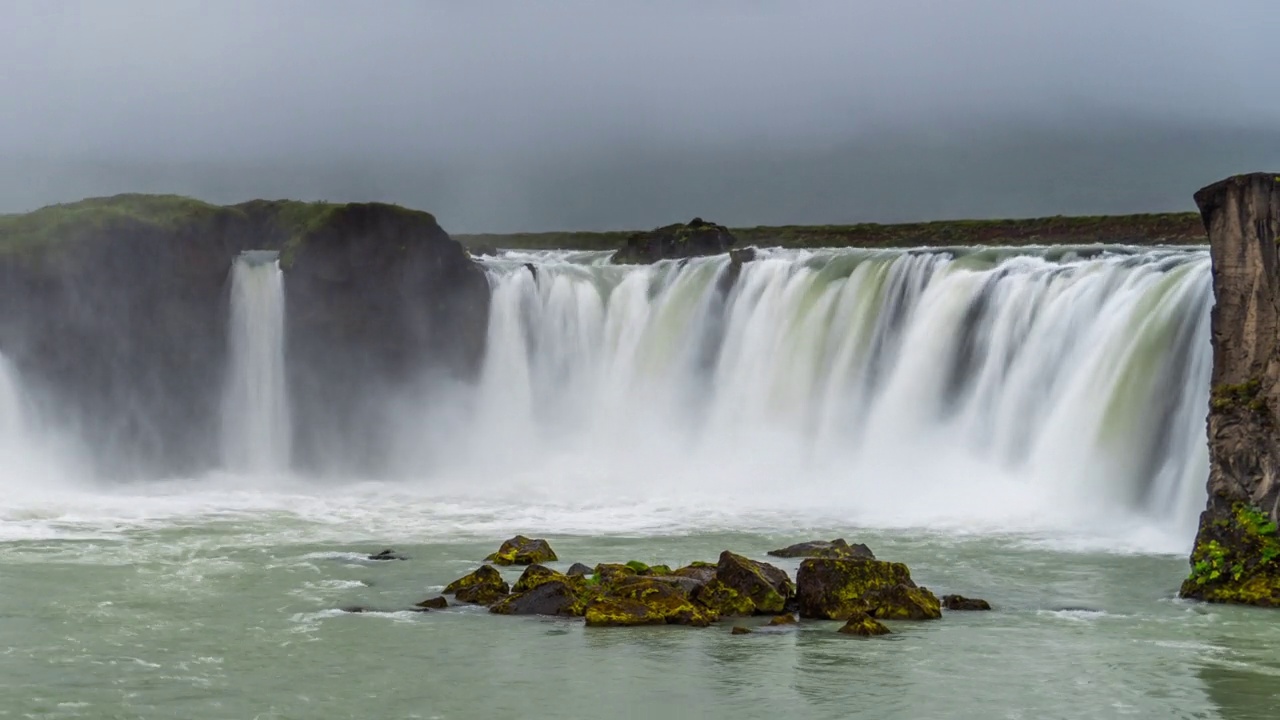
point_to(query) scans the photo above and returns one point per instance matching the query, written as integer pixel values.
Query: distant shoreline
(1143, 229)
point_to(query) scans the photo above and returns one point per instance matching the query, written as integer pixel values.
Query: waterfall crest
(256, 428)
(1005, 384)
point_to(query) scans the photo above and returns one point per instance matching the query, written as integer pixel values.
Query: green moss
(659, 570)
(59, 223)
(835, 589)
(642, 601)
(1246, 395)
(724, 600)
(863, 625)
(639, 567)
(483, 586)
(1236, 560)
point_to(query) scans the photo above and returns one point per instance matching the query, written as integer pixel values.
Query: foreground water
(228, 605)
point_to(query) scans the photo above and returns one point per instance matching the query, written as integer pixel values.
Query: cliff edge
(1237, 552)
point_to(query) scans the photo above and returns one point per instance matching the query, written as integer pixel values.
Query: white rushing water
(256, 430)
(979, 390)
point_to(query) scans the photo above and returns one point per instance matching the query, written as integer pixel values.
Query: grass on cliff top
(1145, 229)
(287, 222)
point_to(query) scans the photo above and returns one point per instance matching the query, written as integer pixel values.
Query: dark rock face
(521, 550)
(960, 602)
(837, 548)
(1237, 552)
(116, 310)
(902, 602)
(646, 601)
(377, 298)
(578, 570)
(435, 603)
(694, 239)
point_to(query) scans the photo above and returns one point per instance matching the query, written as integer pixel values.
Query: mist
(508, 117)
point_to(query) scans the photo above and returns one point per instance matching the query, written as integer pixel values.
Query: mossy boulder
(552, 597)
(535, 575)
(646, 601)
(833, 589)
(1236, 558)
(639, 567)
(703, 572)
(606, 574)
(863, 625)
(838, 548)
(787, 619)
(724, 600)
(521, 550)
(766, 587)
(695, 238)
(482, 587)
(902, 602)
(960, 602)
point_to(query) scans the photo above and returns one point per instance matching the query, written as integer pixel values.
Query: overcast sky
(540, 115)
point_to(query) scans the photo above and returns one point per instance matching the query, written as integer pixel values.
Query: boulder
(902, 602)
(638, 601)
(435, 603)
(833, 589)
(482, 587)
(960, 602)
(746, 587)
(536, 575)
(739, 630)
(837, 548)
(578, 570)
(607, 574)
(697, 237)
(863, 625)
(521, 550)
(553, 597)
(689, 586)
(703, 572)
(787, 619)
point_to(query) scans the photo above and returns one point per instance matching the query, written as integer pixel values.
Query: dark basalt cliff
(1237, 552)
(697, 237)
(116, 309)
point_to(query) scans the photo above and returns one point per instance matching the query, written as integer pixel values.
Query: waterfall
(13, 429)
(1013, 386)
(256, 430)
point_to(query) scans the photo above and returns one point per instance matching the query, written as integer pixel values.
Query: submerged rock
(388, 555)
(435, 603)
(697, 237)
(787, 619)
(834, 589)
(863, 625)
(739, 630)
(960, 602)
(482, 587)
(837, 548)
(521, 550)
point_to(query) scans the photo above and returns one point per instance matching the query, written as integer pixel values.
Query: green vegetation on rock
(1236, 559)
(482, 587)
(521, 550)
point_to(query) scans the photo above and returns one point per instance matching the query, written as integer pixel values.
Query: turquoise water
(238, 616)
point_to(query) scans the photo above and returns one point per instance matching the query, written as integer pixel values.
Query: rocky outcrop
(521, 550)
(115, 310)
(742, 586)
(694, 239)
(1237, 553)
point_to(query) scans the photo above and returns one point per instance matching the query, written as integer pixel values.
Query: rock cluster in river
(844, 582)
(1237, 550)
(681, 240)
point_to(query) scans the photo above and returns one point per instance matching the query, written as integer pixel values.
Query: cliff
(116, 309)
(1237, 552)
